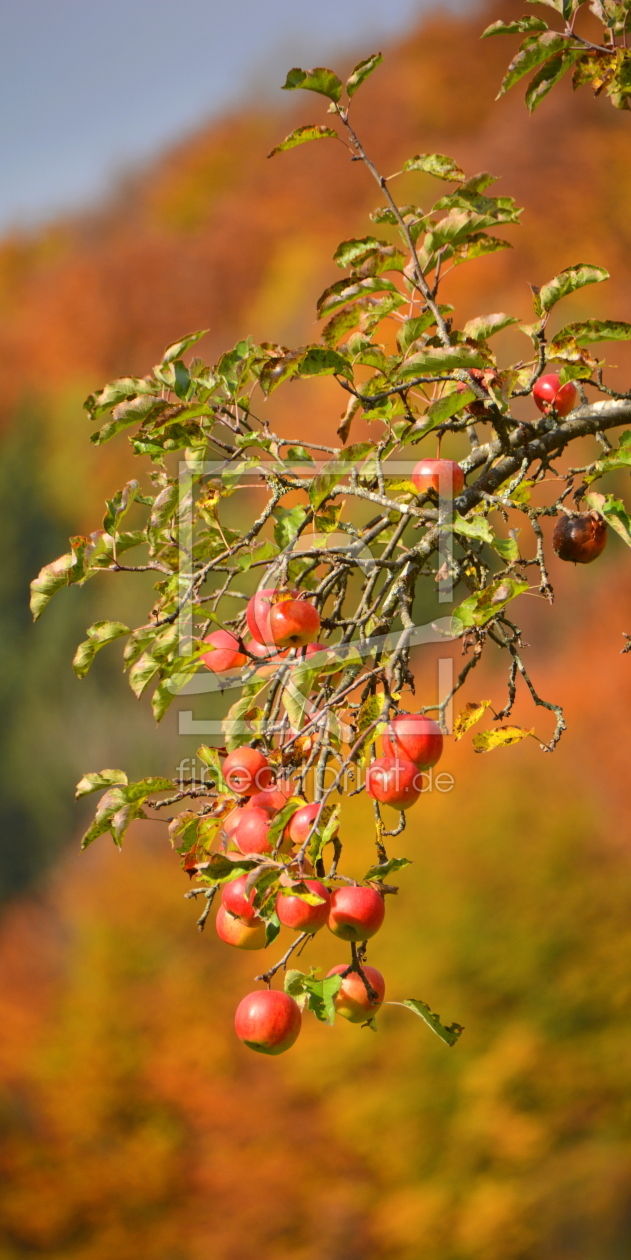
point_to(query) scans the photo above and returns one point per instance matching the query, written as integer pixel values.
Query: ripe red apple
(246, 771)
(580, 538)
(299, 915)
(394, 781)
(294, 623)
(257, 616)
(225, 654)
(352, 1000)
(230, 824)
(549, 394)
(234, 899)
(443, 476)
(272, 799)
(301, 822)
(413, 737)
(236, 932)
(268, 1021)
(272, 661)
(251, 834)
(356, 912)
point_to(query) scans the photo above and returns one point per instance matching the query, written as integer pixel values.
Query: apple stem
(358, 956)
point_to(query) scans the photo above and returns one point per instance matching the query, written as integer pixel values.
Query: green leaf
(219, 869)
(141, 673)
(533, 51)
(443, 408)
(386, 868)
(300, 890)
(449, 1034)
(288, 522)
(435, 164)
(177, 349)
(320, 993)
(615, 513)
(333, 472)
(293, 982)
(302, 135)
(210, 757)
(361, 72)
(328, 823)
(481, 607)
(266, 551)
(280, 820)
(321, 361)
(548, 75)
(412, 329)
(499, 737)
(49, 580)
(507, 548)
(234, 727)
(354, 252)
(296, 693)
(164, 508)
(455, 229)
(487, 325)
(99, 634)
(350, 290)
(568, 281)
(473, 527)
(96, 782)
(591, 330)
(438, 359)
(272, 929)
(477, 247)
(317, 80)
(166, 691)
(126, 387)
(181, 379)
(471, 714)
(514, 28)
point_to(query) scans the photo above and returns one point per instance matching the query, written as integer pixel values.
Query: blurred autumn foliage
(131, 1120)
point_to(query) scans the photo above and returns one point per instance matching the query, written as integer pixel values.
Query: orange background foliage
(131, 1120)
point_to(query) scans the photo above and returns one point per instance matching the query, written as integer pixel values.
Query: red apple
(234, 899)
(246, 771)
(352, 1000)
(394, 781)
(581, 537)
(272, 799)
(225, 654)
(443, 476)
(257, 616)
(413, 737)
(272, 659)
(236, 932)
(301, 822)
(230, 824)
(268, 1021)
(294, 623)
(549, 394)
(356, 912)
(251, 834)
(299, 915)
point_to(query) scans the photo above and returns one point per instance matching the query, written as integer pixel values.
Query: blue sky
(89, 88)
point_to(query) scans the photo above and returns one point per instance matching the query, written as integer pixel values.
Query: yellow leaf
(470, 714)
(499, 738)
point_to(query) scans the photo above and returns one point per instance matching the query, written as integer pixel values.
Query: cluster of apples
(278, 620)
(579, 537)
(267, 1020)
